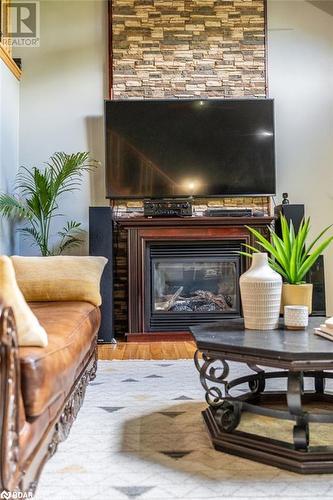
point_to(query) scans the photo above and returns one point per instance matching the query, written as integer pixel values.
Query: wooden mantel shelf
(128, 222)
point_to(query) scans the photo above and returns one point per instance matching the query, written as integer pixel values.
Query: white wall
(62, 92)
(9, 135)
(300, 69)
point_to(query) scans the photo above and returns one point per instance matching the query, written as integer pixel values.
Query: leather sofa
(42, 389)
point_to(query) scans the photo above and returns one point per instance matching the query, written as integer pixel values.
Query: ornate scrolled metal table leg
(319, 380)
(208, 373)
(257, 386)
(294, 400)
(228, 415)
(226, 412)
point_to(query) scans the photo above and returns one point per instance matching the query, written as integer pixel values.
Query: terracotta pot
(260, 289)
(297, 295)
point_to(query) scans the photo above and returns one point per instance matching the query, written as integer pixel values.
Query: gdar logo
(15, 495)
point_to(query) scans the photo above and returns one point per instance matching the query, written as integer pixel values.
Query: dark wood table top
(230, 337)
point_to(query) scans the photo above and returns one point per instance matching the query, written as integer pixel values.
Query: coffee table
(293, 356)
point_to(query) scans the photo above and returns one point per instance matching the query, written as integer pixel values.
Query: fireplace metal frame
(180, 321)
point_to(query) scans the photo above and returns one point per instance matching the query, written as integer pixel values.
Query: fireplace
(183, 271)
(191, 282)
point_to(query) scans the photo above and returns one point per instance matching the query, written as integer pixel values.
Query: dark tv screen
(180, 148)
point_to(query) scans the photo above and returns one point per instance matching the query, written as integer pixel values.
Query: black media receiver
(167, 208)
(229, 212)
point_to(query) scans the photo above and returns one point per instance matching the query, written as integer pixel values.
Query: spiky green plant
(36, 196)
(290, 255)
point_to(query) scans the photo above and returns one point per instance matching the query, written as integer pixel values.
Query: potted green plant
(292, 257)
(36, 200)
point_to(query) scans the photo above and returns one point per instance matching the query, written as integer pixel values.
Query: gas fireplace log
(169, 300)
(219, 300)
(173, 299)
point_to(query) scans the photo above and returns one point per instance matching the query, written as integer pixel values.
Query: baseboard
(158, 336)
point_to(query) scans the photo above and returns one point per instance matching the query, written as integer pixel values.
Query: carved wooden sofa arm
(10, 386)
(19, 470)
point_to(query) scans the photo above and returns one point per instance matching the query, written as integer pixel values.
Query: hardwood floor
(147, 350)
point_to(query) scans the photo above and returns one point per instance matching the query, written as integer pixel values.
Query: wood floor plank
(169, 351)
(191, 348)
(131, 350)
(104, 352)
(143, 351)
(156, 350)
(147, 350)
(181, 350)
(111, 351)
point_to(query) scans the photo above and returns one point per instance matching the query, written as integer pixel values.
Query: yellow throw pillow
(60, 278)
(29, 331)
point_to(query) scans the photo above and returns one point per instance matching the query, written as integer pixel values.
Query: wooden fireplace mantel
(142, 230)
(132, 222)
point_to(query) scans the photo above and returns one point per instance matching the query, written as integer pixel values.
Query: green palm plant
(36, 196)
(290, 255)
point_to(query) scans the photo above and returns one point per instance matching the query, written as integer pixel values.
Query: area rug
(140, 435)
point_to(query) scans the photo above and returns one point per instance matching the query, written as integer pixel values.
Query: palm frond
(70, 236)
(31, 232)
(68, 169)
(24, 183)
(10, 206)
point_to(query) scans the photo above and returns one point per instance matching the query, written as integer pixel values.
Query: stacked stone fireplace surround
(183, 49)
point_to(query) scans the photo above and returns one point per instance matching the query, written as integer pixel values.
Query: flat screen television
(180, 148)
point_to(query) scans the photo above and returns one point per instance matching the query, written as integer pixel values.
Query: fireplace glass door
(192, 283)
(194, 286)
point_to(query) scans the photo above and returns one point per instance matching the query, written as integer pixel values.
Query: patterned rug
(140, 435)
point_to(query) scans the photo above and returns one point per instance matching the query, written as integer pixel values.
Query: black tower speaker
(100, 243)
(291, 212)
(316, 275)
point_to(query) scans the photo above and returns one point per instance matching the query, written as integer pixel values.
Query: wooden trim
(9, 403)
(110, 50)
(9, 62)
(266, 46)
(192, 221)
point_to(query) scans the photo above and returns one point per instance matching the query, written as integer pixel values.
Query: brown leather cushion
(48, 373)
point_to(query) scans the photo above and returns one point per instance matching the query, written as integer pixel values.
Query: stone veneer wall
(186, 48)
(177, 49)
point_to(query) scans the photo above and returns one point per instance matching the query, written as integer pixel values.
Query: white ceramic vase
(261, 289)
